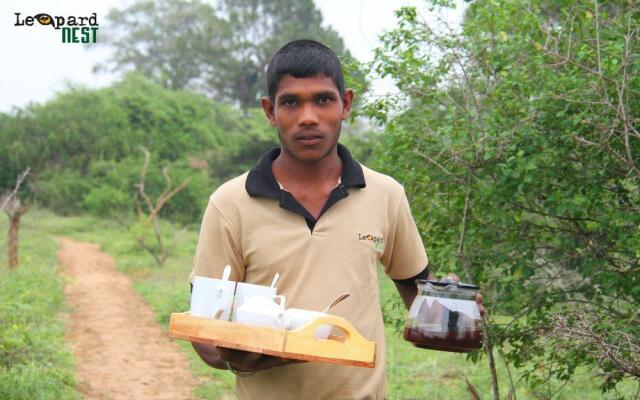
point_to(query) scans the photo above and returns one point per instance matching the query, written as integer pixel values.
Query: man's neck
(290, 171)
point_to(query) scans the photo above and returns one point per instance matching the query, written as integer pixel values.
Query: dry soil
(120, 351)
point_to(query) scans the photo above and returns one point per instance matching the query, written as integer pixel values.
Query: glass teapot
(444, 316)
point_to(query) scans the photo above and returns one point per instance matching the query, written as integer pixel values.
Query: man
(310, 212)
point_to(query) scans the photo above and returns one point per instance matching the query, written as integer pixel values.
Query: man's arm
(239, 361)
(209, 354)
(408, 288)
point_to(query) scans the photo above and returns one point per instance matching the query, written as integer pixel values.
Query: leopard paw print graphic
(75, 29)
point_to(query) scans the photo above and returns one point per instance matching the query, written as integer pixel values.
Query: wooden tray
(300, 344)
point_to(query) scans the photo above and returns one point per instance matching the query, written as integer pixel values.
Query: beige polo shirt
(259, 229)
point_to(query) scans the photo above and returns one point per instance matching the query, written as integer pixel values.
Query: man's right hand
(246, 361)
(242, 361)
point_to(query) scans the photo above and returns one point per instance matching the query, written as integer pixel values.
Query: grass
(412, 373)
(35, 361)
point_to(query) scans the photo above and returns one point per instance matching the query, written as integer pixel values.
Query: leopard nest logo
(378, 241)
(74, 29)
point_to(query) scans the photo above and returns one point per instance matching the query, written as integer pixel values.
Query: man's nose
(308, 115)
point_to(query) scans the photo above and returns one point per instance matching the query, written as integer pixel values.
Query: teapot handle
(354, 347)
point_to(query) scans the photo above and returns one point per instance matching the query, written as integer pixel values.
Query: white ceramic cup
(245, 290)
(212, 298)
(297, 317)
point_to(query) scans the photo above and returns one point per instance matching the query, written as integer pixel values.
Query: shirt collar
(261, 182)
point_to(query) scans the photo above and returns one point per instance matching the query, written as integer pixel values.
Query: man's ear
(347, 103)
(267, 107)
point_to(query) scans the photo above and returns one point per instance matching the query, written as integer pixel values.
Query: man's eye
(324, 100)
(289, 102)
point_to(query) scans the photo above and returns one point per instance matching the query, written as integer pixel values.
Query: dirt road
(120, 351)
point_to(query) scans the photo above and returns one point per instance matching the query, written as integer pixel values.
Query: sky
(35, 64)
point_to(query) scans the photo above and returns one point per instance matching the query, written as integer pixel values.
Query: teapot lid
(444, 282)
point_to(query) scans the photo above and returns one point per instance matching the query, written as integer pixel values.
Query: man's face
(308, 114)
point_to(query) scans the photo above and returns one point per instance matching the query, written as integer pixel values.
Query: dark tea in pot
(444, 316)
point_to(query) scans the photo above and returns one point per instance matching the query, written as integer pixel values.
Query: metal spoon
(336, 301)
(226, 273)
(275, 279)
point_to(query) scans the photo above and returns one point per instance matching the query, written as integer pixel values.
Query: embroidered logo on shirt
(378, 241)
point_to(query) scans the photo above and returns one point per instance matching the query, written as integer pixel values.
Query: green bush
(105, 200)
(87, 139)
(63, 191)
(117, 187)
(188, 205)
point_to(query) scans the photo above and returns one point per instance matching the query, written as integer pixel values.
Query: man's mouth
(310, 138)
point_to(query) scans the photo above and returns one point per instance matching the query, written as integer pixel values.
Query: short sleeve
(404, 255)
(217, 247)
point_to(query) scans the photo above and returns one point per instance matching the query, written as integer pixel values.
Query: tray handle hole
(338, 334)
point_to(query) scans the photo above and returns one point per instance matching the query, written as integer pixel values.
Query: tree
(220, 52)
(258, 29)
(171, 42)
(15, 209)
(518, 145)
(149, 211)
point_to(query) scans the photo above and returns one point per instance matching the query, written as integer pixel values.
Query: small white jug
(262, 311)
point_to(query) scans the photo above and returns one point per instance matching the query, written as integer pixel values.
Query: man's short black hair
(303, 59)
